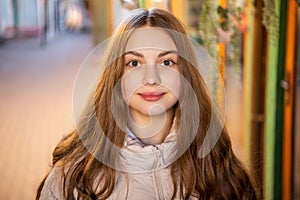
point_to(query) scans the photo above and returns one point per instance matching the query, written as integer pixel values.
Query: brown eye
(167, 63)
(134, 63)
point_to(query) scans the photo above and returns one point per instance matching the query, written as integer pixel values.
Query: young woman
(151, 130)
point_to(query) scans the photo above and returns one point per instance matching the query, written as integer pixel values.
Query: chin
(156, 110)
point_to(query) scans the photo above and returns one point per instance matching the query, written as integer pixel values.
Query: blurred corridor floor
(36, 86)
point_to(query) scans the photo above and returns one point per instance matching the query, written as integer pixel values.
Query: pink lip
(151, 96)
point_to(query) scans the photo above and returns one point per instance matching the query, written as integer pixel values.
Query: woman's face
(151, 79)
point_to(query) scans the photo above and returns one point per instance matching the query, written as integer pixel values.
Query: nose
(151, 75)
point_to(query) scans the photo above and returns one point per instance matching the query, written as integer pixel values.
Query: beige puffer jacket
(146, 176)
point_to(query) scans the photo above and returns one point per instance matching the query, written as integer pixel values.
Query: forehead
(150, 38)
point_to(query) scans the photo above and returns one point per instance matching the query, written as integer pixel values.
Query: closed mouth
(152, 96)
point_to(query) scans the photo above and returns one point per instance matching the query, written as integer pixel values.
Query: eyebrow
(167, 52)
(159, 55)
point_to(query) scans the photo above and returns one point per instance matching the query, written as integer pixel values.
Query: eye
(167, 63)
(134, 63)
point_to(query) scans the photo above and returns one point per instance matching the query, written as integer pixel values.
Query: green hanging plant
(223, 14)
(217, 24)
(230, 21)
(270, 20)
(207, 28)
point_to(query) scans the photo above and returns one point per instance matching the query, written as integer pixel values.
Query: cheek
(131, 81)
(171, 79)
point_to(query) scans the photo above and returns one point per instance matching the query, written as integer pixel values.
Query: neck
(151, 130)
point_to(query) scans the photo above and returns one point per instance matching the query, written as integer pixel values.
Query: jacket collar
(131, 139)
(136, 157)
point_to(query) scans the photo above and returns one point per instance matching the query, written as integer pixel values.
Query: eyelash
(170, 60)
(139, 64)
(131, 61)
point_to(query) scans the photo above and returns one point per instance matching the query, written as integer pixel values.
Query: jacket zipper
(158, 184)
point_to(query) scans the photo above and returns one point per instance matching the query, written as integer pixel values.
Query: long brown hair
(218, 175)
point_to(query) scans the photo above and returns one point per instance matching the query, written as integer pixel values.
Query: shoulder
(53, 186)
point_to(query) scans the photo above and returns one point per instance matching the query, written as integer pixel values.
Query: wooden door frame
(288, 121)
(258, 83)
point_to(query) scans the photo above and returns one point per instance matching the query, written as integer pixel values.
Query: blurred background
(256, 44)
